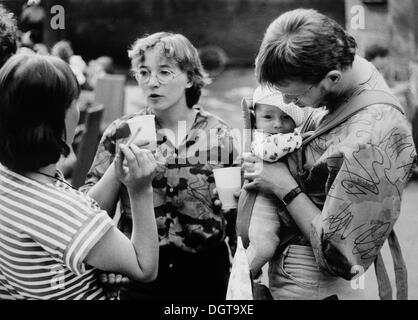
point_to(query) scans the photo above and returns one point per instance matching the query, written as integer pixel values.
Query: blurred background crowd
(93, 37)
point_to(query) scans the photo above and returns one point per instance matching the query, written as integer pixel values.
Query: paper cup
(147, 133)
(228, 181)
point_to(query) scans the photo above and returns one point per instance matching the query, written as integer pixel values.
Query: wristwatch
(292, 194)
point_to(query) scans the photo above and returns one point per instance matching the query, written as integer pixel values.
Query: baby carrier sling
(361, 101)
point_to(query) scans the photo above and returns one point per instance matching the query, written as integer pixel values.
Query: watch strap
(292, 194)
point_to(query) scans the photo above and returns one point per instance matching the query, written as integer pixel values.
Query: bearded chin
(330, 100)
(323, 100)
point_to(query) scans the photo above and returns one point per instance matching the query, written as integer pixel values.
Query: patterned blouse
(183, 188)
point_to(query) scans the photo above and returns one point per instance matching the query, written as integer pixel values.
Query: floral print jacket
(356, 174)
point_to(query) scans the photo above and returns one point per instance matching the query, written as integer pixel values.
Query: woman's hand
(217, 202)
(112, 283)
(140, 169)
(267, 177)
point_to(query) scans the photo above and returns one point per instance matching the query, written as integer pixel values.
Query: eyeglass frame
(296, 97)
(174, 75)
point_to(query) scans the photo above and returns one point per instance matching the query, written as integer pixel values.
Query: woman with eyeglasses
(194, 257)
(343, 188)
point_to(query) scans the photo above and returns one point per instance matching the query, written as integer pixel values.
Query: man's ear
(332, 78)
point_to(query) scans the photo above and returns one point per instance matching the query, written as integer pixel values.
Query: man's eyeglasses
(163, 76)
(295, 98)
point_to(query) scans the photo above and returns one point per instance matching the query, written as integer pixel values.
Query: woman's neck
(170, 118)
(178, 123)
(42, 174)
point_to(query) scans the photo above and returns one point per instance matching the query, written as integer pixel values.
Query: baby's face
(272, 120)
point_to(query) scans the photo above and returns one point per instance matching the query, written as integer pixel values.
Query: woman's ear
(189, 81)
(252, 119)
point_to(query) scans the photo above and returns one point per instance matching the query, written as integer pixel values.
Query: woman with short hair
(194, 260)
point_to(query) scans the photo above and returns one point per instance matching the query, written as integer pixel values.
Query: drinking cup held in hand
(228, 182)
(147, 133)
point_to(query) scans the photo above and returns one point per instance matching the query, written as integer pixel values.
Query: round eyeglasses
(163, 76)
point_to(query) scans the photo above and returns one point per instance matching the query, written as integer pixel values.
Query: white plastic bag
(239, 285)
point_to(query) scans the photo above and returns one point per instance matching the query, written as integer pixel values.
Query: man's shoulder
(382, 112)
(370, 126)
(379, 108)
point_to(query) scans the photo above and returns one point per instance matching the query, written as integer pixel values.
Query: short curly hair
(8, 35)
(303, 45)
(35, 93)
(178, 48)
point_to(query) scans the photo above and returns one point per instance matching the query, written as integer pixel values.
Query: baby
(275, 135)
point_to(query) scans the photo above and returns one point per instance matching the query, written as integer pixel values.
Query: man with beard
(344, 188)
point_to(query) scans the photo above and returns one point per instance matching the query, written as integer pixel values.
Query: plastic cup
(227, 181)
(147, 133)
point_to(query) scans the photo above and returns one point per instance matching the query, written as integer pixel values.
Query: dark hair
(8, 35)
(35, 93)
(376, 50)
(303, 45)
(178, 48)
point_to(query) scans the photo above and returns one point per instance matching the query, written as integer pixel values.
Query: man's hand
(268, 177)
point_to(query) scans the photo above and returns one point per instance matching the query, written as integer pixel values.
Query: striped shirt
(46, 231)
